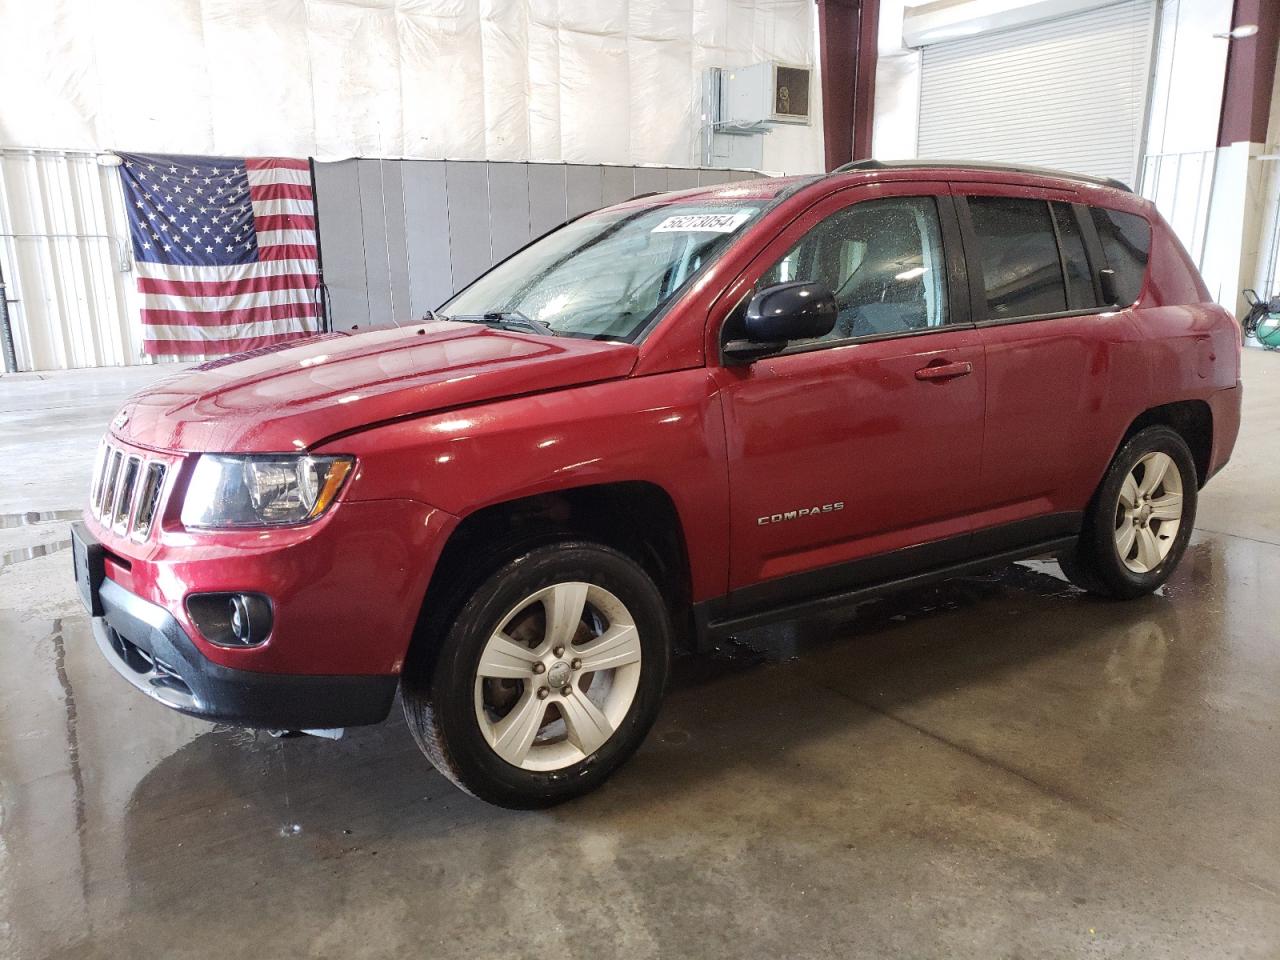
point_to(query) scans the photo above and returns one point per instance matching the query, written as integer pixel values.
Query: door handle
(944, 371)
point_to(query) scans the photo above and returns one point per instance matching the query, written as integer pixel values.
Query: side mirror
(781, 313)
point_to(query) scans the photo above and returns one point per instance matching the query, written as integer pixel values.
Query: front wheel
(1139, 522)
(548, 678)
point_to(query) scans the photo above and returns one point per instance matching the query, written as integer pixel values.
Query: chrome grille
(126, 491)
(148, 500)
(108, 499)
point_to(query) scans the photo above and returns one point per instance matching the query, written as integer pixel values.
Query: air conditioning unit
(749, 99)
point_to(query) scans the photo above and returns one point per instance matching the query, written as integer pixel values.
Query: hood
(292, 398)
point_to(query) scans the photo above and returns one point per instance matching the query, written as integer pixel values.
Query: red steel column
(847, 47)
(864, 91)
(1251, 69)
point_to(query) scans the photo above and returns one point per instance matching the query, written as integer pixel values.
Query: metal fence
(1181, 185)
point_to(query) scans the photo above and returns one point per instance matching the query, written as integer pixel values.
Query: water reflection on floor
(998, 744)
(994, 766)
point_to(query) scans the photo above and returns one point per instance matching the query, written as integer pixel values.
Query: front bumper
(150, 649)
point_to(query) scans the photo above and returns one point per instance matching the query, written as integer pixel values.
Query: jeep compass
(660, 424)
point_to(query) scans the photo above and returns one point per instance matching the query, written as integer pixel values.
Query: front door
(847, 449)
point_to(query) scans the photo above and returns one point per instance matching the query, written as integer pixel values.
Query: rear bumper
(149, 648)
(1225, 406)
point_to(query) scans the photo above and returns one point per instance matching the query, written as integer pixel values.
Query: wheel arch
(1193, 421)
(637, 518)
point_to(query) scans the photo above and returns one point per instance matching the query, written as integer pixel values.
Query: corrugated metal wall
(64, 253)
(399, 236)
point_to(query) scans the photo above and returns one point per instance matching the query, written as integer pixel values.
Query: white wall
(1190, 67)
(897, 116)
(1261, 247)
(594, 81)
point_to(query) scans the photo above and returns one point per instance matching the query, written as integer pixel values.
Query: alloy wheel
(1148, 512)
(558, 676)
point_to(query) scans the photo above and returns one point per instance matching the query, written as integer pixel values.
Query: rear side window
(1021, 271)
(1126, 243)
(1075, 264)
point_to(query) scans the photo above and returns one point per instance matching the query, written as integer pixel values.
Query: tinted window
(1021, 272)
(1080, 292)
(1126, 242)
(882, 259)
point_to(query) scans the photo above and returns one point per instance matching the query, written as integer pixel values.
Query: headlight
(262, 491)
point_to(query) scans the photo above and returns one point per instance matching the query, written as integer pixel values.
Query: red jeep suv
(660, 424)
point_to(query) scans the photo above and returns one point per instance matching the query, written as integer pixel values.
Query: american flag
(225, 250)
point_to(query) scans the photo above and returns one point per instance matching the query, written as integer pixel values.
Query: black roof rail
(976, 165)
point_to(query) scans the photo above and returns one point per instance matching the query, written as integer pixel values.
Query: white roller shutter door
(1067, 93)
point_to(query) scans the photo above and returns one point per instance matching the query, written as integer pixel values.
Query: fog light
(232, 619)
(240, 620)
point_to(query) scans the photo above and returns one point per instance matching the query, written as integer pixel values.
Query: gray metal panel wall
(586, 188)
(470, 251)
(619, 184)
(548, 197)
(398, 237)
(708, 178)
(508, 208)
(342, 242)
(679, 179)
(651, 180)
(382, 217)
(426, 207)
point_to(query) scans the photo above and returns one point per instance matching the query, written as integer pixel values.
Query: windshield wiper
(506, 320)
(517, 319)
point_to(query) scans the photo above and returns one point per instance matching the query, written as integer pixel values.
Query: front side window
(883, 261)
(1126, 242)
(607, 275)
(1021, 272)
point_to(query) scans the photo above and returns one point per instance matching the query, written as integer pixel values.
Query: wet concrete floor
(994, 767)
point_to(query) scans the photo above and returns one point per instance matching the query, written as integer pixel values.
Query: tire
(473, 728)
(1126, 552)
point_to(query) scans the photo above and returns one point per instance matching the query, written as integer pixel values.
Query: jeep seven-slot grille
(126, 491)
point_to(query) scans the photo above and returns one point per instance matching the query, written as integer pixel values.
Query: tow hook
(328, 733)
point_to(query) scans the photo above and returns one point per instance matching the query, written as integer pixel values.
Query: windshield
(607, 275)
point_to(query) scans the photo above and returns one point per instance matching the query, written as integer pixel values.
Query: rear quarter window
(1126, 243)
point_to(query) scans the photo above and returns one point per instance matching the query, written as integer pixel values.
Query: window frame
(952, 257)
(973, 250)
(1079, 212)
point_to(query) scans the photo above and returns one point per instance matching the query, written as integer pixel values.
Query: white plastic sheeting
(66, 261)
(589, 81)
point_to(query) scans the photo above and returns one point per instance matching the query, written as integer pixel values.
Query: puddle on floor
(10, 520)
(30, 553)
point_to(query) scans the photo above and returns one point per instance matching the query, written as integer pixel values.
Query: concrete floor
(997, 767)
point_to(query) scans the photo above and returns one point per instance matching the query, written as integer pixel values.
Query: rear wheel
(548, 678)
(1138, 525)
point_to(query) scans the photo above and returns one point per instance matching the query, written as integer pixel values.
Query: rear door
(846, 449)
(1052, 356)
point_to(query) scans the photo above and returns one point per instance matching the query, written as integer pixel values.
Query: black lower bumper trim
(149, 648)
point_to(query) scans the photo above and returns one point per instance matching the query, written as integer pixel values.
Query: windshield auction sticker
(704, 222)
